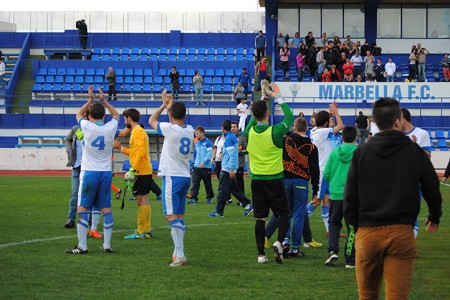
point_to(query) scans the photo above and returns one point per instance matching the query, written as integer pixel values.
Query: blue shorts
(324, 188)
(174, 190)
(95, 189)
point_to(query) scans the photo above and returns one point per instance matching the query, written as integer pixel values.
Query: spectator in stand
(280, 41)
(445, 63)
(320, 70)
(324, 39)
(198, 87)
(348, 41)
(320, 56)
(359, 78)
(422, 53)
(260, 45)
(369, 68)
(82, 32)
(365, 47)
(312, 121)
(284, 58)
(368, 56)
(341, 62)
(390, 69)
(335, 74)
(297, 40)
(111, 76)
(326, 76)
(2, 72)
(261, 71)
(412, 63)
(379, 71)
(244, 78)
(239, 93)
(348, 70)
(358, 46)
(300, 66)
(312, 53)
(357, 61)
(309, 39)
(353, 50)
(328, 54)
(174, 76)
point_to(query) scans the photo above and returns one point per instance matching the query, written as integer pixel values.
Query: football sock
(325, 215)
(310, 208)
(176, 231)
(82, 228)
(416, 229)
(282, 227)
(260, 235)
(147, 217)
(95, 219)
(115, 188)
(108, 224)
(181, 232)
(141, 219)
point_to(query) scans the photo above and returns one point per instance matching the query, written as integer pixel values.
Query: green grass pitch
(221, 254)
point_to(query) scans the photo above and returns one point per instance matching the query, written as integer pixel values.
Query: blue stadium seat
(207, 81)
(167, 80)
(227, 80)
(47, 88)
(182, 72)
(142, 57)
(163, 51)
(119, 80)
(249, 57)
(201, 51)
(37, 87)
(128, 80)
(153, 58)
(220, 72)
(202, 72)
(217, 88)
(89, 79)
(67, 88)
(56, 88)
(61, 72)
(100, 72)
(181, 57)
(95, 57)
(239, 57)
(148, 80)
(148, 72)
(126, 88)
(173, 51)
(136, 88)
(40, 79)
(146, 89)
(42, 71)
(49, 79)
(135, 51)
(156, 88)
(115, 51)
(162, 58)
(440, 134)
(153, 51)
(220, 57)
(97, 51)
(162, 72)
(171, 57)
(168, 87)
(114, 57)
(221, 51)
(240, 51)
(187, 80)
(79, 79)
(106, 51)
(201, 58)
(441, 144)
(158, 80)
(210, 57)
(119, 72)
(90, 72)
(230, 51)
(69, 79)
(182, 51)
(186, 89)
(76, 88)
(138, 79)
(229, 72)
(190, 72)
(207, 89)
(145, 51)
(51, 71)
(125, 51)
(59, 79)
(218, 80)
(209, 72)
(250, 51)
(227, 89)
(191, 57)
(129, 72)
(192, 51)
(70, 72)
(124, 57)
(138, 72)
(229, 57)
(211, 51)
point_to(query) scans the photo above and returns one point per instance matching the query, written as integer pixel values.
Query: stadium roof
(369, 2)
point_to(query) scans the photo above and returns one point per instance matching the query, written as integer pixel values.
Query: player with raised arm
(96, 174)
(174, 169)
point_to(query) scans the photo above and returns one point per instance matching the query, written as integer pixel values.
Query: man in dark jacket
(174, 76)
(383, 204)
(111, 76)
(82, 32)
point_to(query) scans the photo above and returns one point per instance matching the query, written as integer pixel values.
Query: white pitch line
(115, 231)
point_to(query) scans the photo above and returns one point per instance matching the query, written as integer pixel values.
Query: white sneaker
(179, 261)
(262, 259)
(278, 252)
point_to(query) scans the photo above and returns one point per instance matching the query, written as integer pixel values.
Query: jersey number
(99, 142)
(185, 146)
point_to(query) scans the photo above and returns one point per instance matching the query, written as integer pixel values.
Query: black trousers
(199, 174)
(112, 91)
(335, 225)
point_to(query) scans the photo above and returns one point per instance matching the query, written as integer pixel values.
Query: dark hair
(178, 111)
(360, 113)
(259, 110)
(173, 67)
(132, 113)
(200, 128)
(226, 125)
(349, 134)
(244, 69)
(322, 117)
(406, 115)
(97, 111)
(235, 123)
(300, 124)
(385, 112)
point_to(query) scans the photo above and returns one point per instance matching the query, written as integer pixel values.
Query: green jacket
(336, 170)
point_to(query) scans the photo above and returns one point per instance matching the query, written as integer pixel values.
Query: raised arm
(108, 106)
(339, 123)
(82, 112)
(167, 101)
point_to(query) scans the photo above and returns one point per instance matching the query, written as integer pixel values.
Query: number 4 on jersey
(99, 142)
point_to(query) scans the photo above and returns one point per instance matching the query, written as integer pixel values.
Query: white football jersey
(98, 143)
(422, 138)
(219, 145)
(374, 128)
(177, 146)
(321, 137)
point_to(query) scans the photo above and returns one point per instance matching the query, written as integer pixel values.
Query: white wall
(398, 46)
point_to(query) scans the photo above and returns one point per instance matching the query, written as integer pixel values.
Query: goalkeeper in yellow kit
(140, 162)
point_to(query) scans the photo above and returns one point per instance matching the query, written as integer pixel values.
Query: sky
(139, 5)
